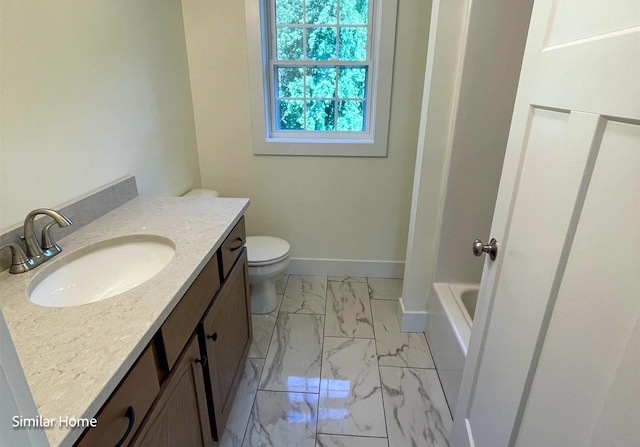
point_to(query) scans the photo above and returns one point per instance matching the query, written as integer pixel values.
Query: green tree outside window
(320, 67)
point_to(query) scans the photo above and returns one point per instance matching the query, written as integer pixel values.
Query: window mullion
(338, 43)
(273, 31)
(275, 112)
(272, 95)
(337, 29)
(304, 69)
(370, 18)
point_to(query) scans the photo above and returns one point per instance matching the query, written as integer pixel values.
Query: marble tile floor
(330, 368)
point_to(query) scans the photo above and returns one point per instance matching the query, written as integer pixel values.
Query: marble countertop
(74, 357)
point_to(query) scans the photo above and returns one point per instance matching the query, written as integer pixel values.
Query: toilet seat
(268, 258)
(261, 264)
(266, 250)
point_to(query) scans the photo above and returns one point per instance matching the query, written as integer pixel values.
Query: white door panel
(568, 26)
(556, 156)
(618, 421)
(551, 343)
(597, 305)
(605, 67)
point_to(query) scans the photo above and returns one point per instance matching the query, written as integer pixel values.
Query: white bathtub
(450, 313)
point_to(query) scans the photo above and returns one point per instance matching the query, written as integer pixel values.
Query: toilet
(268, 258)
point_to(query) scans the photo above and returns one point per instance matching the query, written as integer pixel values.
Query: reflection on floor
(330, 368)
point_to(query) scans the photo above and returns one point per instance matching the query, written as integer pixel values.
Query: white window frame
(370, 143)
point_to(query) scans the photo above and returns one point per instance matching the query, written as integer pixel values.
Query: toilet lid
(262, 249)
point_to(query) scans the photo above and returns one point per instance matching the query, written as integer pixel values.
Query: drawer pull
(202, 360)
(131, 415)
(238, 246)
(213, 336)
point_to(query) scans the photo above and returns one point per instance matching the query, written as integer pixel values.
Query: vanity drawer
(232, 247)
(137, 391)
(179, 326)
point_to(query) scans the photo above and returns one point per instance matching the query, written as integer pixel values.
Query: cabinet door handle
(213, 336)
(202, 360)
(131, 415)
(238, 246)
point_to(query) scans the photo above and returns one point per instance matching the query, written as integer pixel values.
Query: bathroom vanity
(157, 365)
(181, 388)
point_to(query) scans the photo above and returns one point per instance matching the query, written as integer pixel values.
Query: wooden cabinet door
(181, 323)
(227, 335)
(123, 413)
(180, 416)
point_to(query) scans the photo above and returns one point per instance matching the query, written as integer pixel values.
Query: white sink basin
(101, 271)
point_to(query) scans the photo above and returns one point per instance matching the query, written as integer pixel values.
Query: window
(319, 64)
(320, 75)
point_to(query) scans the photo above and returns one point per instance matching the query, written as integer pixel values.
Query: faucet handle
(47, 240)
(48, 244)
(34, 251)
(19, 261)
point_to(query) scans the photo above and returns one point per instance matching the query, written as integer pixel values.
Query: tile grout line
(259, 377)
(406, 366)
(326, 294)
(445, 396)
(377, 365)
(253, 403)
(272, 331)
(348, 336)
(255, 396)
(375, 343)
(289, 392)
(438, 376)
(353, 436)
(271, 337)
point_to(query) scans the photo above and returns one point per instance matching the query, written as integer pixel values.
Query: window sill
(320, 148)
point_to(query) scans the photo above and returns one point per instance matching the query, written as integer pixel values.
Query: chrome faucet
(36, 254)
(34, 251)
(19, 261)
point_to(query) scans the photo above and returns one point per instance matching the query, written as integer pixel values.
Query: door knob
(491, 248)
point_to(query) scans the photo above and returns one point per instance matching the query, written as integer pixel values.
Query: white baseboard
(346, 267)
(410, 320)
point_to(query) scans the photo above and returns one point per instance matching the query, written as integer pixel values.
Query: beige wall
(446, 39)
(92, 91)
(326, 207)
(487, 92)
(465, 123)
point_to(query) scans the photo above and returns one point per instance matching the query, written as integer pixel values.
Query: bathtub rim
(460, 288)
(449, 296)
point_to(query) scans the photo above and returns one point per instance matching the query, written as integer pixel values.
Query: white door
(554, 357)
(15, 398)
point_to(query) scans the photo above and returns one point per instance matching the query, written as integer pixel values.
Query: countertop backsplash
(81, 210)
